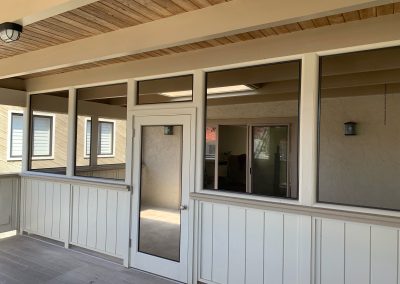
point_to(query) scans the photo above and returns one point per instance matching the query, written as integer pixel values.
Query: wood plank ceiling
(99, 17)
(357, 15)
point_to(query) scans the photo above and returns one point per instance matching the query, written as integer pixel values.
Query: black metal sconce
(350, 128)
(168, 130)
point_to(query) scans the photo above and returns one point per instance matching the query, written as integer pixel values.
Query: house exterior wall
(240, 239)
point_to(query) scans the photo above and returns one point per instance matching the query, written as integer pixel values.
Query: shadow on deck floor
(29, 261)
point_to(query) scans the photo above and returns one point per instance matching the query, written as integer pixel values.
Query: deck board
(26, 260)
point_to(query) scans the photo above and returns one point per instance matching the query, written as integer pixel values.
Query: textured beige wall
(5, 165)
(120, 144)
(361, 169)
(161, 167)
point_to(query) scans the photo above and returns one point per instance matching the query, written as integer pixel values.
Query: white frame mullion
(71, 145)
(308, 130)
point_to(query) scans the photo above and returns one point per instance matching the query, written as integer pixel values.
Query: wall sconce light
(350, 128)
(168, 130)
(10, 32)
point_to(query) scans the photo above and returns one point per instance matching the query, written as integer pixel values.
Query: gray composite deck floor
(29, 261)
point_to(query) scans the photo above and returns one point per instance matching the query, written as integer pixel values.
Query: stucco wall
(161, 167)
(361, 169)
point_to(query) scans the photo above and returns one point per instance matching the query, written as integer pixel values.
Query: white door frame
(166, 268)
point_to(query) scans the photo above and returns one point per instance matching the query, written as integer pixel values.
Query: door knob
(183, 207)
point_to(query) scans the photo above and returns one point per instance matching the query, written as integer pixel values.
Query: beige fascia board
(26, 12)
(347, 36)
(219, 20)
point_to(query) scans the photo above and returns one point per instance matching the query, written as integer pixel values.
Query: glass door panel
(160, 191)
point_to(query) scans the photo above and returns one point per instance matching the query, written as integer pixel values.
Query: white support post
(25, 148)
(199, 99)
(308, 147)
(131, 100)
(71, 132)
(94, 136)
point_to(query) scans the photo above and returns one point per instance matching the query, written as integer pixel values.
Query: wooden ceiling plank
(84, 14)
(280, 30)
(234, 38)
(367, 13)
(89, 30)
(155, 7)
(201, 3)
(38, 30)
(186, 5)
(65, 28)
(51, 31)
(118, 14)
(77, 17)
(336, 19)
(141, 9)
(223, 40)
(396, 7)
(321, 22)
(269, 32)
(123, 9)
(216, 2)
(295, 27)
(104, 17)
(306, 25)
(351, 16)
(170, 6)
(38, 37)
(245, 36)
(383, 10)
(257, 34)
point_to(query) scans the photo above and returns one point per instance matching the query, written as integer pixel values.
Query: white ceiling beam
(368, 32)
(219, 20)
(26, 12)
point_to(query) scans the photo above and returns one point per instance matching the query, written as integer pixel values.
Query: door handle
(183, 207)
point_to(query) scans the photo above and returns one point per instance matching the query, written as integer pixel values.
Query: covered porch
(201, 141)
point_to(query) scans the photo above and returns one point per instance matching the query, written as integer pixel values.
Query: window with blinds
(105, 142)
(42, 135)
(16, 135)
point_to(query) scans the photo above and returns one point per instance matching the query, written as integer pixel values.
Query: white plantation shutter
(17, 124)
(105, 144)
(88, 134)
(42, 133)
(106, 133)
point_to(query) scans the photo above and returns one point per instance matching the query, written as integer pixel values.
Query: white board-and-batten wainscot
(9, 201)
(259, 243)
(90, 215)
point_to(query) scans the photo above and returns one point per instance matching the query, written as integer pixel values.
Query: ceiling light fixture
(228, 89)
(10, 32)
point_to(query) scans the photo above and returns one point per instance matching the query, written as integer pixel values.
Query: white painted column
(25, 145)
(199, 99)
(94, 136)
(71, 143)
(308, 129)
(131, 101)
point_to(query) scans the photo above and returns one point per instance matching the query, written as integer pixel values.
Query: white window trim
(53, 131)
(9, 134)
(114, 138)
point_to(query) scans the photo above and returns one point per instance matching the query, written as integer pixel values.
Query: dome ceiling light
(10, 32)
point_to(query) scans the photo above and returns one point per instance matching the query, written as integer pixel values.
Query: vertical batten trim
(308, 130)
(71, 142)
(199, 99)
(25, 135)
(131, 97)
